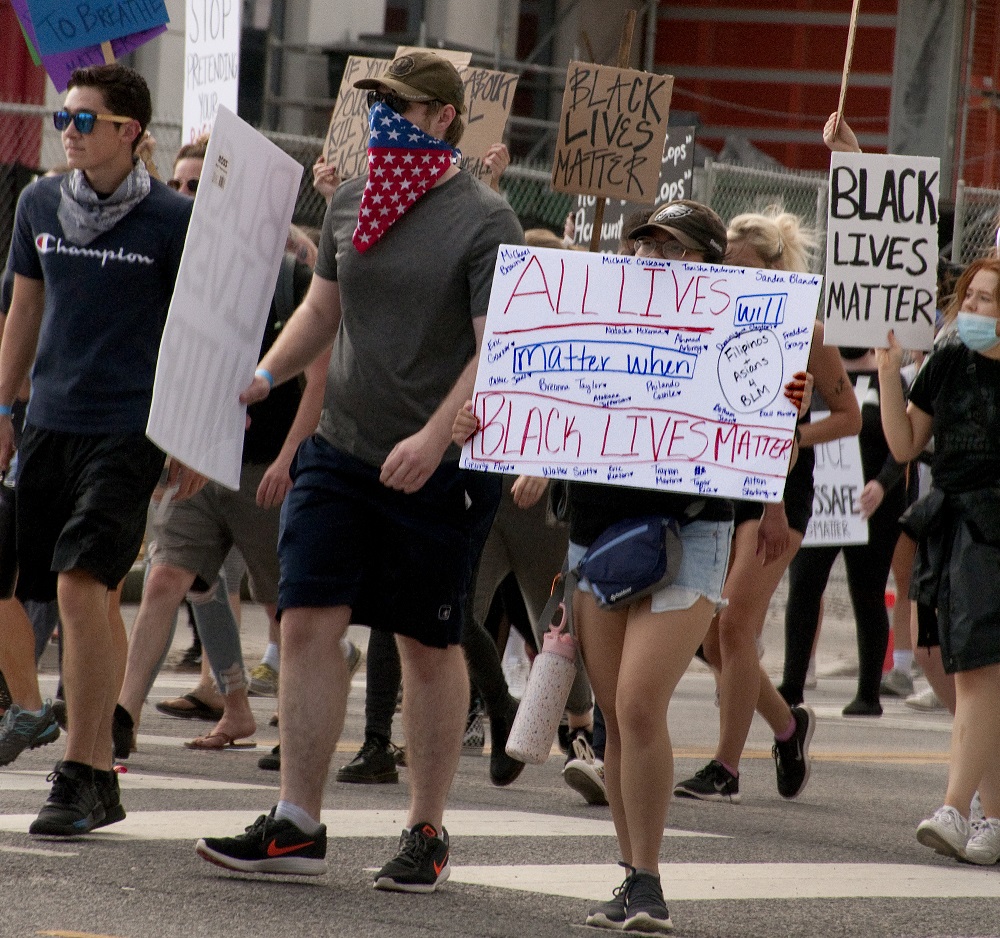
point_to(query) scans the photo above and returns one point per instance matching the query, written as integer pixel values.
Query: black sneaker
(375, 764)
(713, 783)
(504, 769)
(271, 762)
(73, 806)
(645, 910)
(269, 845)
(791, 757)
(111, 797)
(421, 864)
(611, 914)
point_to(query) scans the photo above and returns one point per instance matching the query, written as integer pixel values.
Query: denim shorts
(702, 571)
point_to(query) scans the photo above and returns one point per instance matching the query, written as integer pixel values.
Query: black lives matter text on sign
(611, 132)
(676, 176)
(881, 250)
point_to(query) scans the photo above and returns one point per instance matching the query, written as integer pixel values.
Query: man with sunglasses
(95, 254)
(376, 527)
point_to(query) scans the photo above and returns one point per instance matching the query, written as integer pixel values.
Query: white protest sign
(641, 372)
(211, 341)
(881, 250)
(837, 485)
(211, 63)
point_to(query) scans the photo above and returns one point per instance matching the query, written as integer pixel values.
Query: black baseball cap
(695, 225)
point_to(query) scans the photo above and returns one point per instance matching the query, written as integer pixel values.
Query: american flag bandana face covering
(403, 163)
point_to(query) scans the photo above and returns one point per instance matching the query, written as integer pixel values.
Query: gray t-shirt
(408, 304)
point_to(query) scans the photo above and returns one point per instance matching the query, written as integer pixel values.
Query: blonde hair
(777, 236)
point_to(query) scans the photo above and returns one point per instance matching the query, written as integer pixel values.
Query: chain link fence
(30, 145)
(977, 212)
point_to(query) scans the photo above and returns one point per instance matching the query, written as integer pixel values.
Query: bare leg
(655, 652)
(17, 655)
(90, 684)
(975, 739)
(929, 660)
(902, 564)
(435, 704)
(313, 699)
(165, 589)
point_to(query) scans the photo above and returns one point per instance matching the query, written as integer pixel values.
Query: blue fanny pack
(632, 559)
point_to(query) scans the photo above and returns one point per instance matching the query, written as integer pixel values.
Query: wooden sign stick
(109, 55)
(847, 64)
(624, 48)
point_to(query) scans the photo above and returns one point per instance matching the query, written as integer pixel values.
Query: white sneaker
(926, 702)
(584, 772)
(976, 812)
(945, 832)
(984, 844)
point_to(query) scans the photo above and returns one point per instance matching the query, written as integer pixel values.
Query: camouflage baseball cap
(421, 76)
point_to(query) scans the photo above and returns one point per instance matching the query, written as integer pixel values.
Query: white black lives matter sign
(676, 177)
(881, 250)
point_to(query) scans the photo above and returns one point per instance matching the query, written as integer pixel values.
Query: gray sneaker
(945, 832)
(21, 729)
(611, 914)
(896, 683)
(645, 910)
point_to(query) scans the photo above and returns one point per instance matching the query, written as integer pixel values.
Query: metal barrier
(977, 212)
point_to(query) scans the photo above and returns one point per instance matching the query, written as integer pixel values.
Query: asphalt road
(842, 860)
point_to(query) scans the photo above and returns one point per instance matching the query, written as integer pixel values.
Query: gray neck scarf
(84, 216)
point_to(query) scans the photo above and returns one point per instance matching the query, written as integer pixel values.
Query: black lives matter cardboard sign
(611, 132)
(489, 96)
(881, 250)
(676, 177)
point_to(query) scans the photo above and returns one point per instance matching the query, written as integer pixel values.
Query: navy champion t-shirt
(105, 307)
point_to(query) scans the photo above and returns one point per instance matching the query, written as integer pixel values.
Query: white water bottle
(541, 708)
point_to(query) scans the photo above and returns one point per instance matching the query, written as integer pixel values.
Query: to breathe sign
(641, 372)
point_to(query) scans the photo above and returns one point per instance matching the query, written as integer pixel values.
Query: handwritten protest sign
(489, 96)
(346, 145)
(62, 64)
(837, 484)
(65, 25)
(217, 315)
(640, 372)
(676, 175)
(488, 99)
(881, 250)
(611, 132)
(211, 63)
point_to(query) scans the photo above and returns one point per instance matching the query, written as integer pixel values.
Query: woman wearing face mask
(956, 397)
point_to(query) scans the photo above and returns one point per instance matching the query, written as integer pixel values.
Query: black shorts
(798, 497)
(401, 562)
(81, 505)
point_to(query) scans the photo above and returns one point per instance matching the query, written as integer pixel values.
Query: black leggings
(867, 572)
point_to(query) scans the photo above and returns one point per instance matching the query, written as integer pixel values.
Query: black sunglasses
(84, 121)
(191, 185)
(390, 99)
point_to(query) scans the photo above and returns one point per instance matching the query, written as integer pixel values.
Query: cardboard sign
(489, 96)
(641, 372)
(346, 144)
(211, 64)
(65, 25)
(881, 250)
(61, 65)
(676, 176)
(611, 132)
(218, 312)
(837, 485)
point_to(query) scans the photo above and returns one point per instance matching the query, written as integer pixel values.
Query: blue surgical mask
(978, 332)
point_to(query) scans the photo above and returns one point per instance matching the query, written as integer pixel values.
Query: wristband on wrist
(6, 410)
(266, 375)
